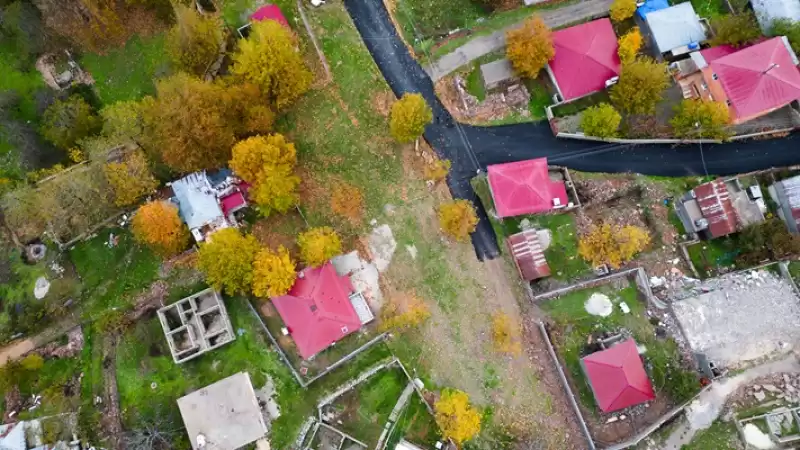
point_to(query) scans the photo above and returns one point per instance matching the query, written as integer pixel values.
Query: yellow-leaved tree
(226, 259)
(267, 162)
(130, 178)
(318, 245)
(641, 86)
(629, 45)
(159, 226)
(194, 41)
(269, 59)
(457, 419)
(622, 9)
(601, 121)
(701, 119)
(458, 219)
(612, 245)
(273, 273)
(409, 117)
(530, 47)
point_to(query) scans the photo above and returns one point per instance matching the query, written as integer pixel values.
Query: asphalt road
(472, 148)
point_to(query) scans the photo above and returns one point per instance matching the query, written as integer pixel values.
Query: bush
(612, 245)
(437, 170)
(458, 219)
(318, 245)
(457, 419)
(273, 273)
(701, 119)
(32, 362)
(530, 47)
(629, 45)
(735, 29)
(67, 121)
(641, 86)
(601, 121)
(622, 10)
(409, 117)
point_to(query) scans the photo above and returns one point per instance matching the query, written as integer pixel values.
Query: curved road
(472, 148)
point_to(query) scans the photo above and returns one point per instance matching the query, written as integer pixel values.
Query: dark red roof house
(586, 57)
(525, 187)
(317, 310)
(716, 206)
(528, 255)
(758, 79)
(617, 377)
(270, 12)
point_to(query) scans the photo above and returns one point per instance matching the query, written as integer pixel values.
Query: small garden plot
(582, 317)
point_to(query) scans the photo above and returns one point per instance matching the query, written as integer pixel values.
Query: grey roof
(769, 10)
(788, 192)
(496, 72)
(675, 26)
(13, 436)
(197, 200)
(225, 413)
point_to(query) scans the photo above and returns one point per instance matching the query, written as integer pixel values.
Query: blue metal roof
(650, 6)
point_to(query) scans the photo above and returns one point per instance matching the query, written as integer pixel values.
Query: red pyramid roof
(270, 12)
(524, 187)
(617, 377)
(586, 57)
(317, 310)
(758, 78)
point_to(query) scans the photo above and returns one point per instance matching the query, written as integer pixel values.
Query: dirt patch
(382, 102)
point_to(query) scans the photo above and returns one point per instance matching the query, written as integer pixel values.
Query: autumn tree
(622, 10)
(273, 273)
(91, 24)
(629, 45)
(457, 418)
(67, 121)
(130, 178)
(194, 41)
(735, 29)
(641, 86)
(601, 121)
(318, 245)
(347, 201)
(530, 47)
(269, 59)
(458, 219)
(226, 258)
(701, 119)
(267, 162)
(159, 226)
(612, 245)
(409, 117)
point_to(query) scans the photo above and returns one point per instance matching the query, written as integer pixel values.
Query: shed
(525, 187)
(224, 415)
(528, 254)
(675, 27)
(497, 73)
(768, 11)
(617, 377)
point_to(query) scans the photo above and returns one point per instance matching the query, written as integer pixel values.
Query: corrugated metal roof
(716, 207)
(617, 377)
(675, 26)
(197, 200)
(791, 202)
(528, 255)
(769, 10)
(524, 187)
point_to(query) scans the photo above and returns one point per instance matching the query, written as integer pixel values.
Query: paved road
(472, 148)
(483, 45)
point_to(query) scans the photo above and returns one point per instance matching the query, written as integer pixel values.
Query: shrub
(437, 170)
(318, 245)
(273, 273)
(614, 246)
(698, 118)
(65, 122)
(641, 86)
(409, 117)
(622, 10)
(458, 219)
(227, 260)
(32, 362)
(601, 121)
(735, 29)
(159, 226)
(629, 45)
(457, 419)
(530, 47)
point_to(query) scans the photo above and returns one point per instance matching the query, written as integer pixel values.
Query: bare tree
(157, 432)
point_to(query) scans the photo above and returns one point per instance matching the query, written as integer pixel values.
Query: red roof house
(617, 377)
(270, 12)
(586, 57)
(524, 187)
(716, 206)
(528, 255)
(758, 79)
(317, 310)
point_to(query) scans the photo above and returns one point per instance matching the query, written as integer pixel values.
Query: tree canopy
(641, 86)
(629, 45)
(785, 27)
(318, 245)
(612, 245)
(227, 260)
(601, 121)
(269, 59)
(622, 9)
(409, 117)
(458, 219)
(274, 273)
(159, 226)
(701, 119)
(267, 162)
(130, 178)
(457, 418)
(735, 29)
(194, 41)
(530, 47)
(67, 121)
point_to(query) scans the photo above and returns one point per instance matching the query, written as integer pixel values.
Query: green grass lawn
(22, 82)
(128, 72)
(720, 435)
(574, 325)
(475, 83)
(708, 256)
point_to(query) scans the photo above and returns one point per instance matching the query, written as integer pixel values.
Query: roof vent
(344, 330)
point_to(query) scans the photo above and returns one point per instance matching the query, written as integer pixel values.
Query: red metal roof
(759, 78)
(270, 12)
(715, 53)
(524, 187)
(528, 255)
(617, 377)
(586, 57)
(232, 202)
(317, 310)
(716, 206)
